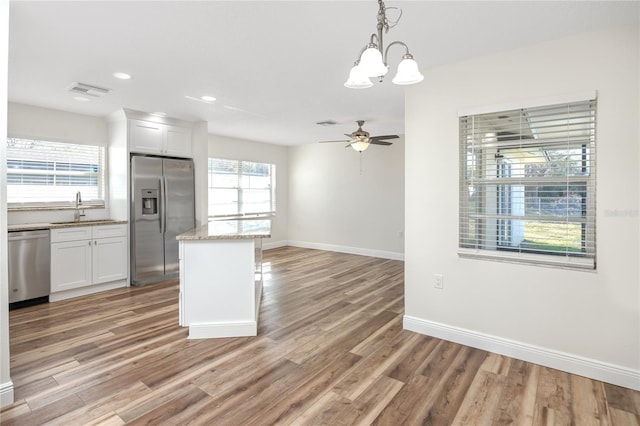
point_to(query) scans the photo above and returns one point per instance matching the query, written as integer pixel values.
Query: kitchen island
(221, 278)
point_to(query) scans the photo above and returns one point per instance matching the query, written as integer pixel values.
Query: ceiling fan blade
(332, 141)
(375, 142)
(347, 135)
(385, 137)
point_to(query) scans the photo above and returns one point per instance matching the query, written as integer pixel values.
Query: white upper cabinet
(145, 136)
(156, 138)
(177, 141)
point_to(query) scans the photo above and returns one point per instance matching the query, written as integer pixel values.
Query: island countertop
(237, 229)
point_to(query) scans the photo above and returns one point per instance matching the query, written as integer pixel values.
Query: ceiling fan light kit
(373, 58)
(360, 139)
(359, 145)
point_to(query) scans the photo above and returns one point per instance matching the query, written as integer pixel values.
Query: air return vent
(88, 90)
(326, 123)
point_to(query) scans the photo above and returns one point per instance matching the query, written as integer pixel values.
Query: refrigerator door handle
(164, 204)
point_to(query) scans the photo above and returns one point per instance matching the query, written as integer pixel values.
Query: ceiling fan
(360, 139)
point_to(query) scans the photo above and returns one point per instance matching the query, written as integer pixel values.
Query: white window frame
(239, 213)
(52, 173)
(482, 248)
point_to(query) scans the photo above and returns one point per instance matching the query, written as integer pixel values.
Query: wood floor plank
(164, 412)
(330, 350)
(588, 402)
(620, 398)
(479, 406)
(553, 398)
(450, 392)
(518, 398)
(412, 398)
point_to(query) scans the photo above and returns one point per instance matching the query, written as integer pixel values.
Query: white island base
(220, 285)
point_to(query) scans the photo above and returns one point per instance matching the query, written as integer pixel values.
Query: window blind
(241, 188)
(527, 185)
(44, 173)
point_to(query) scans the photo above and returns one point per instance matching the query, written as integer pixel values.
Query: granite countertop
(230, 230)
(55, 225)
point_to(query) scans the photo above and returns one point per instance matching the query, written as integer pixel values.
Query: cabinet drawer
(106, 231)
(70, 234)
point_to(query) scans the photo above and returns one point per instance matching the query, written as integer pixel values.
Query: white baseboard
(350, 250)
(598, 370)
(83, 291)
(223, 329)
(6, 394)
(274, 244)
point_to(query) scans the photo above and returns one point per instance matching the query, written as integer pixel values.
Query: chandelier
(373, 58)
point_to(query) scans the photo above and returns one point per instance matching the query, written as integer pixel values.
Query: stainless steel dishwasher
(29, 266)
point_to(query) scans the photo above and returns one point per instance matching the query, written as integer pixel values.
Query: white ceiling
(276, 67)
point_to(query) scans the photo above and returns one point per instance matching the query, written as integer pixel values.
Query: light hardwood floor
(331, 350)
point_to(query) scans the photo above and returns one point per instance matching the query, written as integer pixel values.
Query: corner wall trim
(350, 250)
(574, 364)
(6, 394)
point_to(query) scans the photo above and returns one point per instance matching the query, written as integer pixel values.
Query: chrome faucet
(77, 213)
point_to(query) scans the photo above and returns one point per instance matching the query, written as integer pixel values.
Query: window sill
(52, 208)
(243, 217)
(566, 262)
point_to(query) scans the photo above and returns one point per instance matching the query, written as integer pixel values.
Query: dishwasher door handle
(26, 237)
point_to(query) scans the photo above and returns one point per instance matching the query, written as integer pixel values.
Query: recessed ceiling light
(208, 98)
(81, 99)
(122, 75)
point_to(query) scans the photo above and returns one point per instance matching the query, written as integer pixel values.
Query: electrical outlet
(437, 281)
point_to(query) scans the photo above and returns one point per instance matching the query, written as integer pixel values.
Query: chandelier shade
(371, 63)
(373, 58)
(357, 80)
(408, 72)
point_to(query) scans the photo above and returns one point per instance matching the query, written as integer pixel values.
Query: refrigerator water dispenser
(149, 202)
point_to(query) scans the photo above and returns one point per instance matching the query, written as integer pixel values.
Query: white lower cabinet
(109, 259)
(71, 265)
(88, 255)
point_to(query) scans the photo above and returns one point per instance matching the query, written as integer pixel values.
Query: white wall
(591, 317)
(239, 149)
(6, 386)
(338, 203)
(27, 121)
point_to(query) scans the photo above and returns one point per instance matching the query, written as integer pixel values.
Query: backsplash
(48, 216)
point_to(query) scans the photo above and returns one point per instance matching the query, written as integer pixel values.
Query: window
(241, 188)
(44, 173)
(527, 185)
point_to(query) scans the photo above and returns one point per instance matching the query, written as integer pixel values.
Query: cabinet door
(178, 141)
(109, 259)
(70, 265)
(145, 136)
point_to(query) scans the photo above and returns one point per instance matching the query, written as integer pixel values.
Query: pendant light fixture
(373, 58)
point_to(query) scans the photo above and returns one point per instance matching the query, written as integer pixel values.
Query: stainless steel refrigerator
(162, 207)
